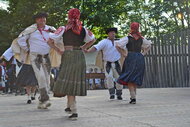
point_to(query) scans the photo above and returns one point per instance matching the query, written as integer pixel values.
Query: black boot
(33, 98)
(68, 110)
(112, 97)
(133, 101)
(112, 93)
(119, 98)
(29, 102)
(119, 93)
(74, 116)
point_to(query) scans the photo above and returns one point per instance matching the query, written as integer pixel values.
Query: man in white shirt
(111, 58)
(39, 49)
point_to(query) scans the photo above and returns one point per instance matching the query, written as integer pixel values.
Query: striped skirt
(72, 76)
(133, 69)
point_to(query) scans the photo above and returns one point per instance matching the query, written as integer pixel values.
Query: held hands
(60, 51)
(143, 54)
(84, 49)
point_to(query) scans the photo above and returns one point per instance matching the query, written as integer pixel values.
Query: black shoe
(112, 97)
(74, 116)
(119, 98)
(29, 102)
(67, 110)
(133, 101)
(33, 98)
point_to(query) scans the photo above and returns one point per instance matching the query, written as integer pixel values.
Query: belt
(133, 52)
(39, 61)
(72, 48)
(117, 67)
(44, 56)
(40, 55)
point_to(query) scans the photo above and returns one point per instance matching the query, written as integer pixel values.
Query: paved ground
(169, 107)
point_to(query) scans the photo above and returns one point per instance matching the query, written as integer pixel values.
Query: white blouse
(57, 35)
(124, 41)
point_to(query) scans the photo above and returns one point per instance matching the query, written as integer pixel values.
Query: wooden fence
(168, 62)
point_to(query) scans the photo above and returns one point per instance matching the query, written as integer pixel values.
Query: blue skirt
(133, 69)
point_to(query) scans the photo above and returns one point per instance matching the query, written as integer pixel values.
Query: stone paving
(158, 107)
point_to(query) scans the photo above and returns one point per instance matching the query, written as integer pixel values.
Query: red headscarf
(135, 30)
(74, 22)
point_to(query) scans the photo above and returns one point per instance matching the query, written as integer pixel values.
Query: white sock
(29, 97)
(132, 93)
(32, 94)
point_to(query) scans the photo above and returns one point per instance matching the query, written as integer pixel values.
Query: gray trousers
(41, 67)
(113, 74)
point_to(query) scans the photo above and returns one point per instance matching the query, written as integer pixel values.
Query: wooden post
(189, 55)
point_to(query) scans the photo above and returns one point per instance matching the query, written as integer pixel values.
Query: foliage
(157, 17)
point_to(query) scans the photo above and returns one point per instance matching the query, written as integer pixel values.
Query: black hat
(111, 29)
(40, 15)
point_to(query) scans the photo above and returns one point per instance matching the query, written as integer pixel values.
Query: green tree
(156, 17)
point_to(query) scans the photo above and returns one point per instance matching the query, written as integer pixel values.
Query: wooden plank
(159, 63)
(153, 76)
(164, 81)
(154, 61)
(185, 58)
(181, 60)
(95, 75)
(176, 60)
(173, 69)
(148, 70)
(189, 56)
(167, 59)
(147, 73)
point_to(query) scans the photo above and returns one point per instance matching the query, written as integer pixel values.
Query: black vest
(134, 45)
(72, 39)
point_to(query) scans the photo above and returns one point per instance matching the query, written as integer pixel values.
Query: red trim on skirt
(122, 82)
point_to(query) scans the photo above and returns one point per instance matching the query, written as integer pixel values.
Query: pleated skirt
(26, 76)
(133, 69)
(72, 76)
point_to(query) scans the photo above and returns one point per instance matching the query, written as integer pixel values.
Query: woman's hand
(122, 51)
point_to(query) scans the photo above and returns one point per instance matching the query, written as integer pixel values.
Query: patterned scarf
(134, 32)
(74, 22)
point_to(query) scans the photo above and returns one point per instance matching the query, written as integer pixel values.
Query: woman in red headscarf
(134, 64)
(71, 81)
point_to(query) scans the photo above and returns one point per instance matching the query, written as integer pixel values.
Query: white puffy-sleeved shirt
(8, 54)
(110, 53)
(57, 36)
(124, 41)
(37, 41)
